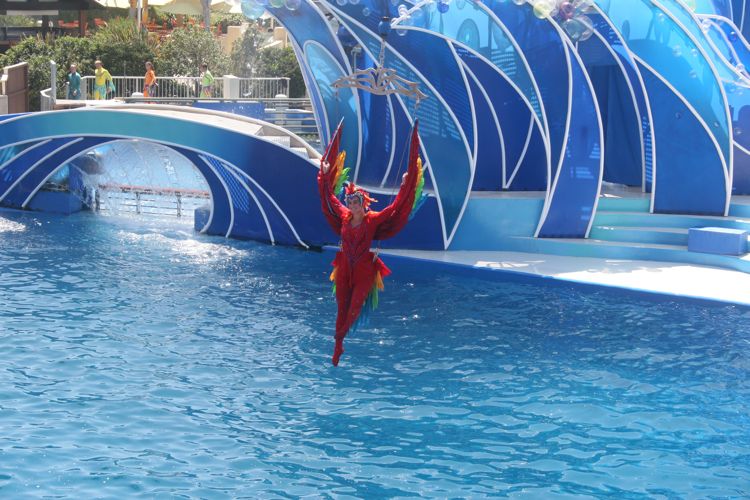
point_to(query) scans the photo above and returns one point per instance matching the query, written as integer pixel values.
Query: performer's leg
(343, 298)
(346, 319)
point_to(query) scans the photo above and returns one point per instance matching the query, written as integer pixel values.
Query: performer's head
(357, 198)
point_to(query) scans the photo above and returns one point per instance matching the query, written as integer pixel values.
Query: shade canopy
(185, 7)
(42, 7)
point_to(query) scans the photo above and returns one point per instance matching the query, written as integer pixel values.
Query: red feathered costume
(358, 273)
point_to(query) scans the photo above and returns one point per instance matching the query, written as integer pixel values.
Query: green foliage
(184, 51)
(123, 48)
(282, 62)
(17, 21)
(244, 58)
(225, 19)
(74, 50)
(38, 53)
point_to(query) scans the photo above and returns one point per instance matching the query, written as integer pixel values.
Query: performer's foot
(338, 351)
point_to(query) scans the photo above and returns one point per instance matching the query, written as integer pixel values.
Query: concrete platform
(664, 278)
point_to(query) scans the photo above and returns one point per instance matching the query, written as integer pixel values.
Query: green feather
(418, 192)
(340, 182)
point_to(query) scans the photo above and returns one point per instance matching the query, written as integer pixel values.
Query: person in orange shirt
(149, 82)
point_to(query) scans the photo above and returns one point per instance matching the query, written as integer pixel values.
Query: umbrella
(184, 7)
(226, 7)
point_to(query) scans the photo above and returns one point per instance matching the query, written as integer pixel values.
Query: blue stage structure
(535, 109)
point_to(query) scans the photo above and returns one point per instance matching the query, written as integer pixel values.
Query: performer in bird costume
(357, 271)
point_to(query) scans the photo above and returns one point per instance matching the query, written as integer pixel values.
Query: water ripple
(143, 360)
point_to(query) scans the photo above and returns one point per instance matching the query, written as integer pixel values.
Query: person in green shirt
(207, 82)
(74, 83)
(103, 84)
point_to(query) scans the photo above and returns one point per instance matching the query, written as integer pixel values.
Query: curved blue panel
(741, 182)
(446, 151)
(10, 152)
(637, 92)
(248, 219)
(30, 180)
(325, 64)
(544, 50)
(738, 11)
(253, 155)
(720, 41)
(512, 111)
(400, 146)
(570, 207)
(489, 170)
(688, 162)
(700, 31)
(717, 7)
(339, 103)
(739, 99)
(220, 198)
(316, 100)
(17, 167)
(530, 174)
(671, 49)
(476, 27)
(423, 230)
(377, 133)
(615, 93)
(442, 70)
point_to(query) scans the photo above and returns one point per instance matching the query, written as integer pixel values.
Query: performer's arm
(333, 210)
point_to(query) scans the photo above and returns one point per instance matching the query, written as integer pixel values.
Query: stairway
(624, 229)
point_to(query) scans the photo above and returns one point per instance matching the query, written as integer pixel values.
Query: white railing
(142, 200)
(263, 88)
(188, 87)
(125, 86)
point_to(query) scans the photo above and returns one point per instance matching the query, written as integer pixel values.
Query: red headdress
(352, 191)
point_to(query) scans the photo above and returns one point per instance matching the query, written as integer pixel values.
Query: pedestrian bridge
(262, 178)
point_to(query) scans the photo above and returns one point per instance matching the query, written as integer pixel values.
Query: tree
(123, 48)
(38, 53)
(282, 63)
(183, 52)
(206, 5)
(17, 21)
(244, 58)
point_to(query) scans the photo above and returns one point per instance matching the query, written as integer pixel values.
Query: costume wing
(330, 183)
(394, 217)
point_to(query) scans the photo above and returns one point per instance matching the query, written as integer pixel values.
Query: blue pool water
(143, 360)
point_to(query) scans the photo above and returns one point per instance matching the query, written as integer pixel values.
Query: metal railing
(295, 115)
(186, 87)
(153, 201)
(263, 88)
(125, 86)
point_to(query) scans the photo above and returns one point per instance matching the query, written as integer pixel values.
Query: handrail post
(231, 87)
(53, 83)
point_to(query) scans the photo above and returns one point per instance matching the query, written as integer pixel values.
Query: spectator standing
(74, 83)
(103, 84)
(149, 81)
(207, 82)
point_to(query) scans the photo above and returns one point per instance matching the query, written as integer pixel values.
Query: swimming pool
(145, 360)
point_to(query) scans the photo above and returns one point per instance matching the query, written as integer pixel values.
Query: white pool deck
(665, 278)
